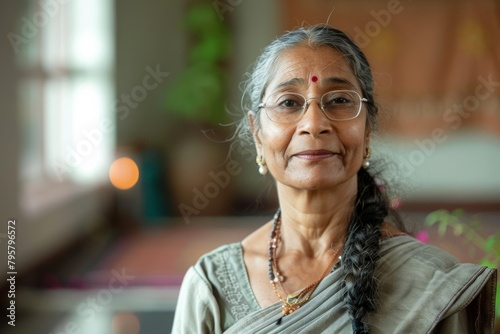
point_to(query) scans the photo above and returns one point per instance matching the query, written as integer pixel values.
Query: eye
(335, 99)
(342, 99)
(288, 102)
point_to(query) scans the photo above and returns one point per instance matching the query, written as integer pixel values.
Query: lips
(315, 155)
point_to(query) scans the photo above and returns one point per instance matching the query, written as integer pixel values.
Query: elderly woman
(335, 258)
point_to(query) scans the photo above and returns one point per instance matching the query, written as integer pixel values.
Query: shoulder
(223, 250)
(427, 282)
(213, 270)
(416, 261)
(207, 270)
(406, 251)
(407, 257)
(227, 252)
(220, 263)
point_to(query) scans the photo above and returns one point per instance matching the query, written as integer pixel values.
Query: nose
(313, 121)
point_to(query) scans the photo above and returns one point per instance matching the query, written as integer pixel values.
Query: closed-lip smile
(315, 154)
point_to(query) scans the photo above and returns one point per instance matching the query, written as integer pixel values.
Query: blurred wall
(151, 35)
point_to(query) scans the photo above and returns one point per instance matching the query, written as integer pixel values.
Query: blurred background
(117, 166)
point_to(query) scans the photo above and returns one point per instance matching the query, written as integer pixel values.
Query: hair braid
(361, 251)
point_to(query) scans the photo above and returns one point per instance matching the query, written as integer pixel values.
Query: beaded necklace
(294, 300)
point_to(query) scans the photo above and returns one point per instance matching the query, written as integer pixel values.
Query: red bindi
(314, 78)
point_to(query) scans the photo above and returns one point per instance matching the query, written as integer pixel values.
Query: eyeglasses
(337, 105)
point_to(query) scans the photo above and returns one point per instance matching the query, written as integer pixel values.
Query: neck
(313, 222)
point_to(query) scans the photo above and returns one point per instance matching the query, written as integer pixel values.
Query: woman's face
(313, 152)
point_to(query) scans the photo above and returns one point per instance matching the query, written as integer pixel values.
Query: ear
(252, 121)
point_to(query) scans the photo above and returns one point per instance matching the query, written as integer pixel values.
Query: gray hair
(315, 36)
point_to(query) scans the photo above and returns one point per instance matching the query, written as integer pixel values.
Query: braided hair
(361, 250)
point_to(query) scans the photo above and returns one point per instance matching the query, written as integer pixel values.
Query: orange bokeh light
(125, 323)
(124, 173)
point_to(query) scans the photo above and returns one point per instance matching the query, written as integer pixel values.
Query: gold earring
(262, 165)
(366, 162)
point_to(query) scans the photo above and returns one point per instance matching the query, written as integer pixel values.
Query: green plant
(489, 246)
(199, 93)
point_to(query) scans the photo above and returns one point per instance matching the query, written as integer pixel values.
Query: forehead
(296, 67)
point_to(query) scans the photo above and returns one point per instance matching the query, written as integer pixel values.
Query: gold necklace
(294, 300)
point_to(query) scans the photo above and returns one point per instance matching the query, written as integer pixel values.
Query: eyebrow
(291, 82)
(328, 81)
(339, 81)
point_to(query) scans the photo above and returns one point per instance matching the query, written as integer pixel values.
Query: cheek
(353, 138)
(275, 139)
(359, 128)
(355, 134)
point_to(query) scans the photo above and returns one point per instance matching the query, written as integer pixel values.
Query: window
(66, 56)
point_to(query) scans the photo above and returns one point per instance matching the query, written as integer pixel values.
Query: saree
(422, 289)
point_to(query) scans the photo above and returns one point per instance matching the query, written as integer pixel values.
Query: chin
(323, 181)
(317, 184)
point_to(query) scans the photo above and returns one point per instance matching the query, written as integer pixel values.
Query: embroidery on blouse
(230, 287)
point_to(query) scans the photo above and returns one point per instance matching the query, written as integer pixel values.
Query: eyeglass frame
(305, 107)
